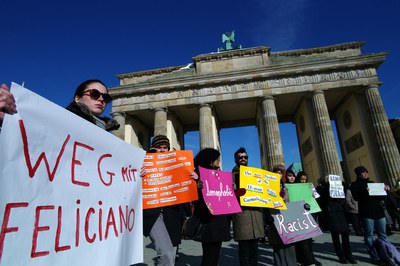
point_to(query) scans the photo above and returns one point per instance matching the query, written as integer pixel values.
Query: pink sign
(218, 192)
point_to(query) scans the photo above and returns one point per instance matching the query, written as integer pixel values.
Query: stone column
(160, 121)
(329, 158)
(120, 118)
(273, 145)
(206, 126)
(384, 136)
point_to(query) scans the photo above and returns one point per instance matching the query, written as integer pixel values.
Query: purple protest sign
(218, 193)
(295, 223)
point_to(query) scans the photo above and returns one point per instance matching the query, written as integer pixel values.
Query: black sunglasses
(243, 157)
(95, 95)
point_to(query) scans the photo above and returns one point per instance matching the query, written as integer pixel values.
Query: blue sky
(52, 46)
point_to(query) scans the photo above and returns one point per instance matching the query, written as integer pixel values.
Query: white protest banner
(70, 192)
(376, 189)
(336, 189)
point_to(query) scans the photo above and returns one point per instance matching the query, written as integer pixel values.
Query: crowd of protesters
(369, 215)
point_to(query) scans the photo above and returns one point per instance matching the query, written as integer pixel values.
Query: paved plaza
(190, 251)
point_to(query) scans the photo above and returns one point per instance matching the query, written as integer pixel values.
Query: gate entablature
(232, 88)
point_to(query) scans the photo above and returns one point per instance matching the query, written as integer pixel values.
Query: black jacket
(172, 221)
(368, 206)
(336, 209)
(217, 227)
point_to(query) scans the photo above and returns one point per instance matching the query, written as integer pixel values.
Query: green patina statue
(228, 38)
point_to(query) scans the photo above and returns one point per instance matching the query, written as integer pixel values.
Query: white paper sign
(70, 192)
(376, 189)
(336, 189)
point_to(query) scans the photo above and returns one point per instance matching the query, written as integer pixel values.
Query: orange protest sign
(167, 180)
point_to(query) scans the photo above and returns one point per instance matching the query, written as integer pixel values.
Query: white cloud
(281, 22)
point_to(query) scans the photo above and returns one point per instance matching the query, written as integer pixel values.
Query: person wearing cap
(163, 225)
(370, 210)
(248, 225)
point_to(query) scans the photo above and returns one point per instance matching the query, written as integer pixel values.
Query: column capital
(158, 109)
(372, 86)
(317, 92)
(206, 104)
(268, 97)
(210, 105)
(114, 114)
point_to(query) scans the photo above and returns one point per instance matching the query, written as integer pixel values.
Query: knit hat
(279, 167)
(160, 140)
(360, 169)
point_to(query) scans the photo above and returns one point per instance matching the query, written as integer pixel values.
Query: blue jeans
(380, 227)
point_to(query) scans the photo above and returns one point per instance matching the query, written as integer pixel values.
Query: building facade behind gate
(254, 86)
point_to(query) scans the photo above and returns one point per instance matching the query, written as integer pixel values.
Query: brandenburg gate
(254, 86)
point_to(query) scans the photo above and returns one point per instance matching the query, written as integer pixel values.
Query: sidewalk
(190, 251)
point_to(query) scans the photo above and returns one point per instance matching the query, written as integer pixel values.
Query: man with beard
(248, 226)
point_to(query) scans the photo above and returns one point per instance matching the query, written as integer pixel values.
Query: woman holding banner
(216, 227)
(90, 100)
(304, 250)
(284, 254)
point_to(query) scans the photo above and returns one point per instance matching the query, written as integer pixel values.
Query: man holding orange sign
(167, 184)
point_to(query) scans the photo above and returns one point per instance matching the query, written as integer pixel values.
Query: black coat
(217, 227)
(172, 221)
(336, 208)
(368, 206)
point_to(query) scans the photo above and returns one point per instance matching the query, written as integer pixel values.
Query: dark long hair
(205, 157)
(299, 174)
(82, 87)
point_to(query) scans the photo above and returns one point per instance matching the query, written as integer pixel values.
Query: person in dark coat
(216, 227)
(338, 224)
(394, 196)
(370, 210)
(163, 225)
(322, 216)
(248, 225)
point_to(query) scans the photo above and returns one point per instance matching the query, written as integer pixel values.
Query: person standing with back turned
(248, 225)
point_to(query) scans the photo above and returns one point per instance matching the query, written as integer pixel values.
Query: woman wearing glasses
(90, 100)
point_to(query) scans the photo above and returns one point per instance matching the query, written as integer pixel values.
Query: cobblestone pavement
(190, 251)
